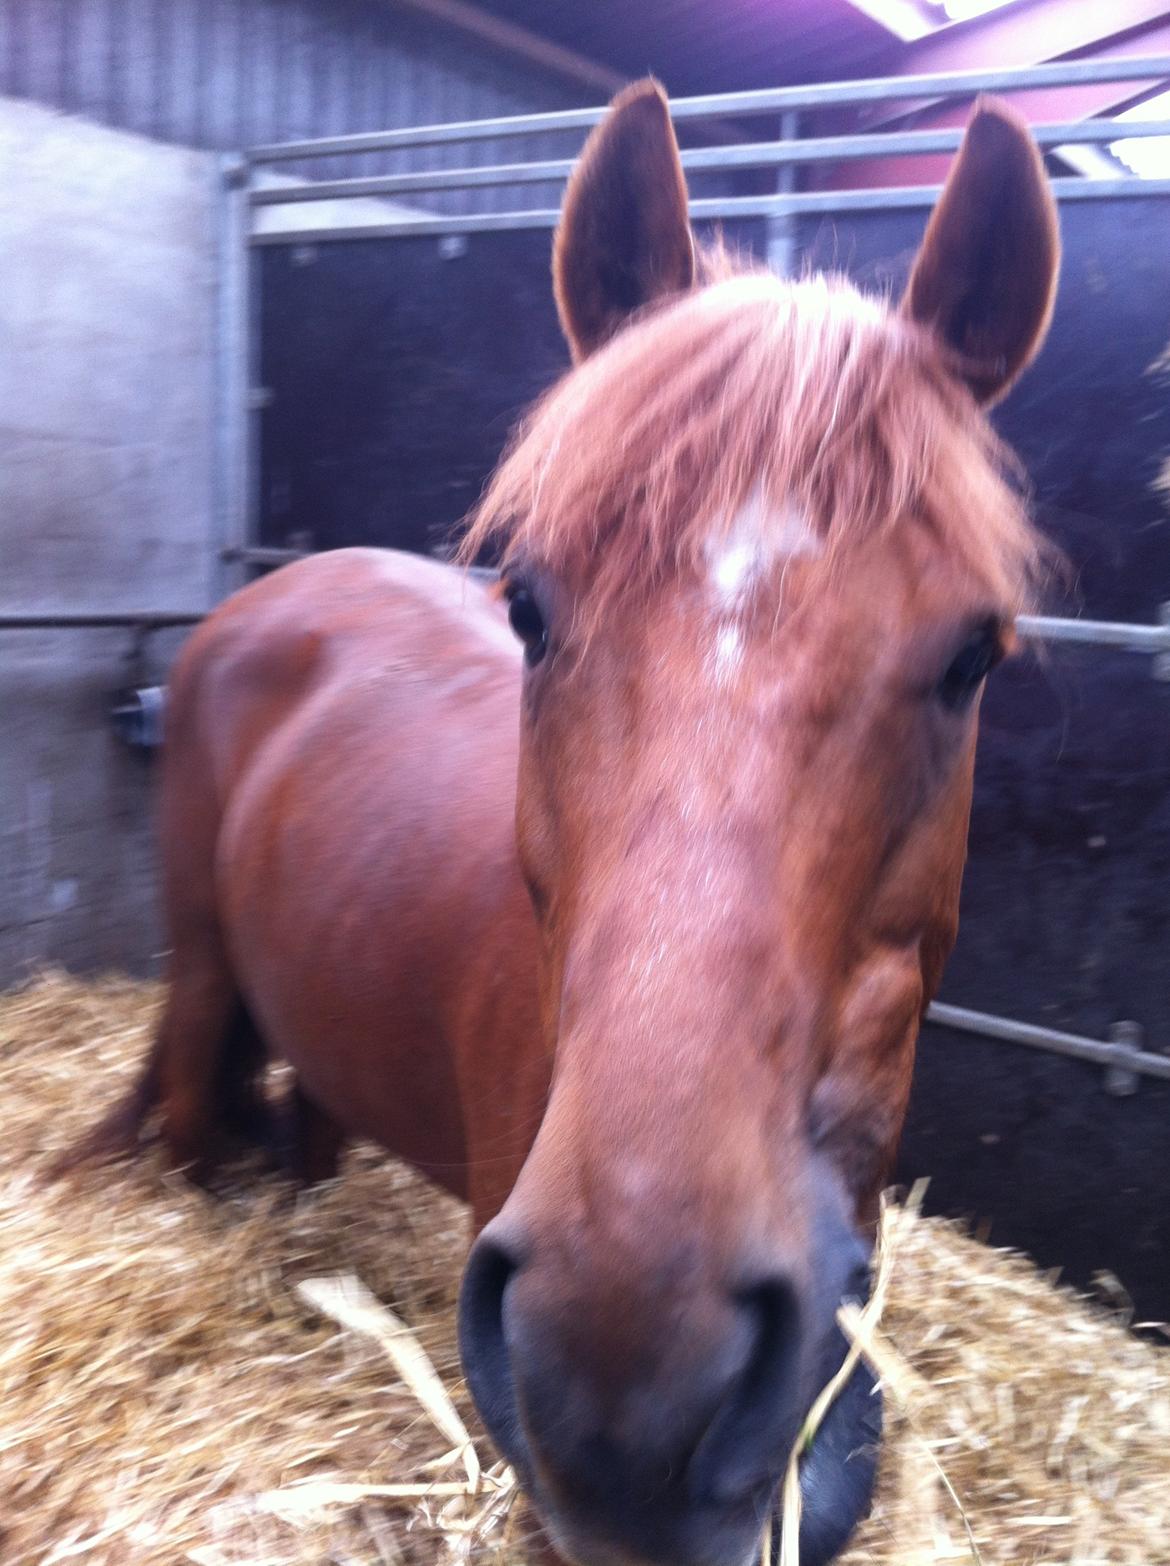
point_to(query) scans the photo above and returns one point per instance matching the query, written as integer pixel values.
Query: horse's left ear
(624, 237)
(985, 277)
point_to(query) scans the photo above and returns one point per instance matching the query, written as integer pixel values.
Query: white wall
(107, 475)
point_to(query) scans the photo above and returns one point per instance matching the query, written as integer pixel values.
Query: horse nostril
(758, 1417)
(771, 1372)
(482, 1344)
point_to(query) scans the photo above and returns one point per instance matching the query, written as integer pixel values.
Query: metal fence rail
(247, 205)
(1123, 1059)
(98, 619)
(795, 203)
(748, 155)
(790, 152)
(730, 105)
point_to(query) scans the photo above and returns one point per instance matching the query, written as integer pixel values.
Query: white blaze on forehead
(759, 536)
(728, 652)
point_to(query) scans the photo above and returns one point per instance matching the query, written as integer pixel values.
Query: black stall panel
(393, 372)
(1066, 902)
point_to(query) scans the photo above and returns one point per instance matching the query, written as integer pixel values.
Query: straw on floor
(175, 1385)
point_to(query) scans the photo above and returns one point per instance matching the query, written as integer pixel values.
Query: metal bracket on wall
(262, 555)
(138, 716)
(1162, 659)
(1122, 1056)
(136, 709)
(1122, 1078)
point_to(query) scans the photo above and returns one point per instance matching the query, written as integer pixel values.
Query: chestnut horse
(652, 1011)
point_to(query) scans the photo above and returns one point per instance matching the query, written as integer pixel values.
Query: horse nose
(698, 1419)
(483, 1348)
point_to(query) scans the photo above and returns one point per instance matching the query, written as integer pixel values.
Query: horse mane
(806, 392)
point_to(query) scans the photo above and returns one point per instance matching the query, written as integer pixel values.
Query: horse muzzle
(670, 1458)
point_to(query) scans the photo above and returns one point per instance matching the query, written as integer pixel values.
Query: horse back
(337, 797)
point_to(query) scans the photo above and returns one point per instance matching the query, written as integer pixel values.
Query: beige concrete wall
(107, 503)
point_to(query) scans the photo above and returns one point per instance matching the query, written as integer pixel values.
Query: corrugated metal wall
(225, 73)
(229, 73)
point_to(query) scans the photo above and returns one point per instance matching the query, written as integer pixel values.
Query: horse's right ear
(985, 277)
(624, 237)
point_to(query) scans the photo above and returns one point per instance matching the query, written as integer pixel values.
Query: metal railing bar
(146, 619)
(774, 100)
(407, 228)
(1096, 633)
(797, 203)
(813, 201)
(1129, 637)
(1073, 1045)
(262, 554)
(748, 155)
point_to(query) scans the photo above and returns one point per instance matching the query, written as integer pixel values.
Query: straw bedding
(163, 1372)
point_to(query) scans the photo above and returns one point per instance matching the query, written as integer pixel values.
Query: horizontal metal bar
(748, 155)
(1100, 633)
(260, 554)
(146, 620)
(411, 184)
(1056, 1042)
(408, 228)
(813, 201)
(774, 100)
(780, 205)
(1096, 633)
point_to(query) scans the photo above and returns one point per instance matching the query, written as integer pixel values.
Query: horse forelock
(750, 419)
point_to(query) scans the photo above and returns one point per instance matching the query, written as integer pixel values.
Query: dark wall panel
(393, 374)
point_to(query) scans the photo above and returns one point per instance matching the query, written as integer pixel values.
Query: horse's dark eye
(970, 667)
(528, 623)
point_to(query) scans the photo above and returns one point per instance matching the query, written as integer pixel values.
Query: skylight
(913, 19)
(1146, 156)
(964, 10)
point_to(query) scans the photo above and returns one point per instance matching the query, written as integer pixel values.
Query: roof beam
(1027, 33)
(520, 43)
(1030, 33)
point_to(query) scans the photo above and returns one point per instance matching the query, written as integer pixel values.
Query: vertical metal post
(1121, 1078)
(234, 361)
(1162, 660)
(781, 230)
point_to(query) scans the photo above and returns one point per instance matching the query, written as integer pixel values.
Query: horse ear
(985, 277)
(624, 238)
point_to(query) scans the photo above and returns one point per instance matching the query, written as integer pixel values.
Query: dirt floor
(169, 1392)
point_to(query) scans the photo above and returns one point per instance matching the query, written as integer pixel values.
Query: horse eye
(528, 623)
(970, 667)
